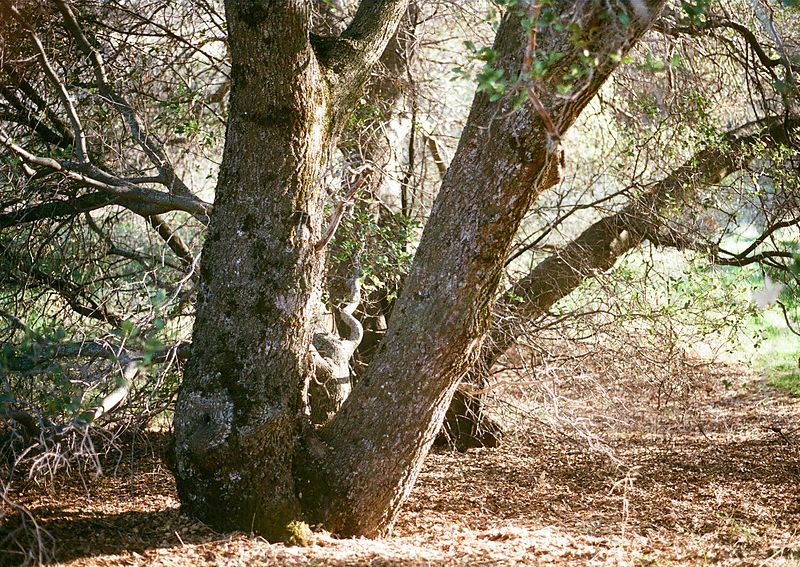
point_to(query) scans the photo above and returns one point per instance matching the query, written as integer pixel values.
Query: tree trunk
(467, 425)
(238, 415)
(595, 251)
(236, 420)
(355, 479)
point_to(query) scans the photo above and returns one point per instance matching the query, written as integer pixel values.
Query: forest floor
(715, 483)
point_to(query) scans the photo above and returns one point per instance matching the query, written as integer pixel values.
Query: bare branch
(746, 34)
(759, 258)
(172, 239)
(598, 247)
(336, 218)
(142, 201)
(41, 105)
(153, 151)
(534, 9)
(769, 26)
(91, 349)
(787, 319)
(75, 296)
(57, 209)
(77, 129)
(769, 231)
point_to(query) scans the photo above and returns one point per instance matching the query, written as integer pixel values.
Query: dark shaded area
(90, 534)
(467, 425)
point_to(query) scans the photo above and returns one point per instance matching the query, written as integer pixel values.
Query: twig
(336, 218)
(77, 128)
(534, 10)
(172, 239)
(769, 26)
(153, 151)
(787, 319)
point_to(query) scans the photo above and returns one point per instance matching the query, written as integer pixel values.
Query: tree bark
(372, 450)
(238, 414)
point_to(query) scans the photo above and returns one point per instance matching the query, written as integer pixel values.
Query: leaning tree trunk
(598, 247)
(354, 479)
(238, 414)
(595, 251)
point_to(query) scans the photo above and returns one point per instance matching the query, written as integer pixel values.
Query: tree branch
(746, 34)
(77, 129)
(740, 261)
(41, 105)
(57, 209)
(172, 239)
(344, 203)
(598, 247)
(350, 57)
(72, 293)
(142, 201)
(153, 151)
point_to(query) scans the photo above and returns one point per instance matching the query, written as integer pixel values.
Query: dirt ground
(717, 483)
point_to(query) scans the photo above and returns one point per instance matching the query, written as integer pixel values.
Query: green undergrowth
(708, 309)
(767, 342)
(776, 351)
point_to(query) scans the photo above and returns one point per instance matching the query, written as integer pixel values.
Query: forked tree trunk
(238, 414)
(238, 421)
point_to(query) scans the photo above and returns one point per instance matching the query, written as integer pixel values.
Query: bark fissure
(237, 416)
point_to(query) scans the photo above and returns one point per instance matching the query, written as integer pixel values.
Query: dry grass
(716, 483)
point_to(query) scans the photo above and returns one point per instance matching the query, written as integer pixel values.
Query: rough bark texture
(238, 415)
(374, 447)
(598, 247)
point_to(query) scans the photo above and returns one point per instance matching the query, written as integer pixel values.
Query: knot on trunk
(203, 424)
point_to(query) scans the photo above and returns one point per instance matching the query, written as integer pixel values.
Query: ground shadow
(85, 535)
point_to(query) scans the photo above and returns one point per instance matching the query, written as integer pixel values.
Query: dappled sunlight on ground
(719, 484)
